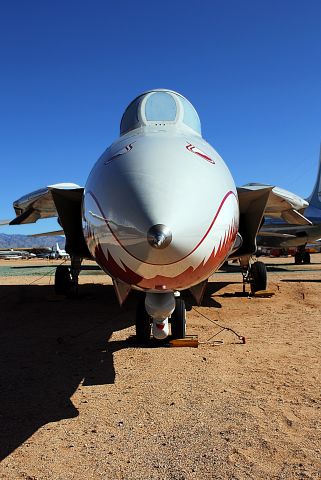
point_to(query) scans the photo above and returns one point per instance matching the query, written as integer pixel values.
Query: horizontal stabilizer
(295, 218)
(265, 233)
(48, 234)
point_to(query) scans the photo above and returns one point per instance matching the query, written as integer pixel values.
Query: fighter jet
(159, 213)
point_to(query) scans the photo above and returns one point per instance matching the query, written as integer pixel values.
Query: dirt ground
(80, 401)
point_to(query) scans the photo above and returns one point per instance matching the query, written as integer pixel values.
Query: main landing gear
(255, 274)
(66, 278)
(302, 256)
(154, 314)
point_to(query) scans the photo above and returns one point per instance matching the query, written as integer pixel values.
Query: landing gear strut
(178, 319)
(66, 279)
(155, 311)
(143, 323)
(255, 274)
(62, 280)
(302, 256)
(258, 277)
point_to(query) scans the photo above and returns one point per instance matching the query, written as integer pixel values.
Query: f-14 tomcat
(159, 213)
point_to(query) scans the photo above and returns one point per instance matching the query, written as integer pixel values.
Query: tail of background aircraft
(57, 247)
(315, 198)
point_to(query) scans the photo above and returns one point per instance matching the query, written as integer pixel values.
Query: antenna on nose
(159, 236)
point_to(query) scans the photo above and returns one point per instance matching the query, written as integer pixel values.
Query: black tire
(306, 258)
(62, 280)
(298, 258)
(258, 277)
(178, 319)
(142, 323)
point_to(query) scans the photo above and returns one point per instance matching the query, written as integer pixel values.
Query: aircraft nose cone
(159, 236)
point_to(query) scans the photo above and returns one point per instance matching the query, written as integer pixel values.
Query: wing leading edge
(282, 204)
(39, 204)
(62, 200)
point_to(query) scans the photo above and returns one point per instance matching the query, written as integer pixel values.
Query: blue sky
(252, 69)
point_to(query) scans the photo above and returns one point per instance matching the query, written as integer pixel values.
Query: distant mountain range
(26, 241)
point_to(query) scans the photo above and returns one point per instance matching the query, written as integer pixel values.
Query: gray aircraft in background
(283, 233)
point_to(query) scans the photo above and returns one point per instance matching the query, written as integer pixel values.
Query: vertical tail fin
(57, 247)
(315, 197)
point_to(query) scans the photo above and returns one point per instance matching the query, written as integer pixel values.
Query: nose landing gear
(178, 319)
(156, 311)
(142, 323)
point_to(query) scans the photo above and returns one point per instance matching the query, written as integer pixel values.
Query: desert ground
(79, 400)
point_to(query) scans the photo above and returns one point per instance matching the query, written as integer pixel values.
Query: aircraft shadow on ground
(208, 300)
(215, 287)
(292, 264)
(53, 266)
(48, 347)
(34, 267)
(302, 280)
(277, 268)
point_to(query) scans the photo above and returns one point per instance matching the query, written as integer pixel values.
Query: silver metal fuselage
(160, 176)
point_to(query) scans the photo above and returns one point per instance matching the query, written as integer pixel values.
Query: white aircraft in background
(60, 253)
(15, 254)
(160, 213)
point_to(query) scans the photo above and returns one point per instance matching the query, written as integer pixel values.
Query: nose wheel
(143, 322)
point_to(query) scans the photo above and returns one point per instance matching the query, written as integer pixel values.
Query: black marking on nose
(159, 236)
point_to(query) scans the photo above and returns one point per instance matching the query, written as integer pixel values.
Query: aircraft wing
(40, 203)
(62, 200)
(282, 204)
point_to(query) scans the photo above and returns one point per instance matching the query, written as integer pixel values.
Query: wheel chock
(188, 341)
(263, 294)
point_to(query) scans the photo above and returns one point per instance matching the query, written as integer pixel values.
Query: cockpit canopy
(160, 108)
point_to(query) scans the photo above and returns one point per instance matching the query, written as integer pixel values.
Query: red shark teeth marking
(184, 280)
